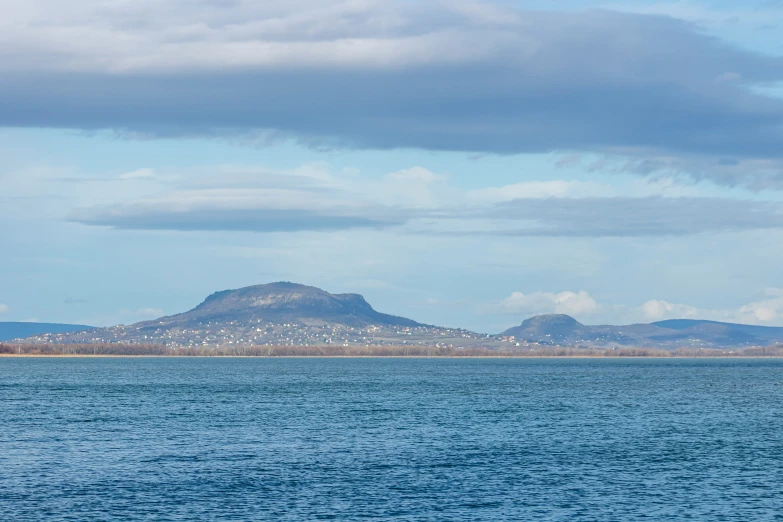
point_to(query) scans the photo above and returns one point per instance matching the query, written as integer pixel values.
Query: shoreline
(129, 356)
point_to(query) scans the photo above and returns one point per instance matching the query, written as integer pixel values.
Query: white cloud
(142, 313)
(415, 175)
(139, 174)
(578, 304)
(562, 188)
(540, 189)
(415, 187)
(4, 309)
(766, 311)
(656, 310)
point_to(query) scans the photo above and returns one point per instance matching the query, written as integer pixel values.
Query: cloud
(240, 198)
(656, 310)
(242, 220)
(4, 309)
(570, 303)
(142, 313)
(764, 311)
(630, 216)
(430, 75)
(582, 306)
(237, 210)
(138, 174)
(538, 189)
(752, 173)
(418, 201)
(415, 187)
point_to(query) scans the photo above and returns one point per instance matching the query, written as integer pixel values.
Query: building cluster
(258, 333)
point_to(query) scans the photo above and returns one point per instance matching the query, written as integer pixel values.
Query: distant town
(265, 334)
(290, 314)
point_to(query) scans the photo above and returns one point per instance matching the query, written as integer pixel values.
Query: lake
(391, 439)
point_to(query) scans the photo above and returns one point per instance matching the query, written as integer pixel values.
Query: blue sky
(461, 163)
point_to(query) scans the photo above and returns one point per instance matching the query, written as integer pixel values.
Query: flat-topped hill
(285, 313)
(285, 302)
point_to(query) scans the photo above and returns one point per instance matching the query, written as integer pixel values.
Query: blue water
(356, 439)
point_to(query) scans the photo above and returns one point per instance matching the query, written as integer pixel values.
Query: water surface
(390, 439)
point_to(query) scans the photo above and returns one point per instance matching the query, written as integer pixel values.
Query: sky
(462, 163)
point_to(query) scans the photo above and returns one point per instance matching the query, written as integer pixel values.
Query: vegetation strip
(368, 351)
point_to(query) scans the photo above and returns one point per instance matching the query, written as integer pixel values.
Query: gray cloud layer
(428, 76)
(533, 217)
(146, 217)
(626, 217)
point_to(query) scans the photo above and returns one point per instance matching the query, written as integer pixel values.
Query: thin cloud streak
(416, 201)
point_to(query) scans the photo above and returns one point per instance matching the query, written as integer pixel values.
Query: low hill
(16, 330)
(286, 303)
(670, 334)
(291, 314)
(276, 314)
(552, 329)
(734, 330)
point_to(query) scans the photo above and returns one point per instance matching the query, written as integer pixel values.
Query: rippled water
(354, 439)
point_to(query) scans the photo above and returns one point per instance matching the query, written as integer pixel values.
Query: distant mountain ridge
(286, 313)
(674, 333)
(16, 330)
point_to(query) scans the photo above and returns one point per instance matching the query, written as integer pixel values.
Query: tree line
(127, 349)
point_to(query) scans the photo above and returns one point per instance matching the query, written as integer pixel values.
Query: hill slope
(292, 314)
(552, 329)
(286, 303)
(670, 334)
(275, 314)
(16, 330)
